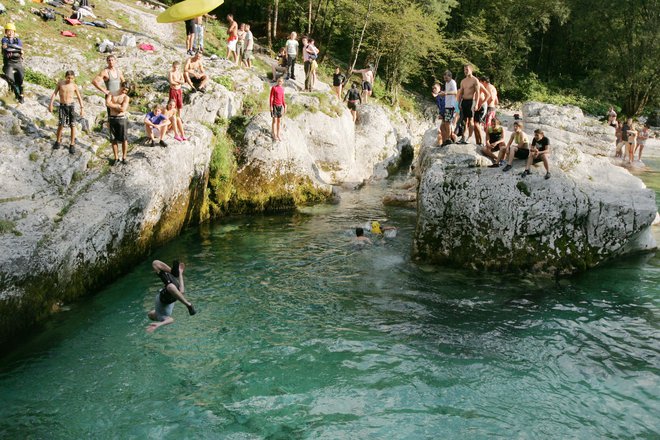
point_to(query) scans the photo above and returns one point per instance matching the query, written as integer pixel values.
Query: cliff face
(70, 222)
(484, 218)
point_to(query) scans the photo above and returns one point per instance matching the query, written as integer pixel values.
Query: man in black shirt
(172, 292)
(539, 152)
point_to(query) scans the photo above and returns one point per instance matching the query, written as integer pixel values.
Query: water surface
(300, 334)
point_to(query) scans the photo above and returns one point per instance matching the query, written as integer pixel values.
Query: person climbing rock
(173, 291)
(12, 61)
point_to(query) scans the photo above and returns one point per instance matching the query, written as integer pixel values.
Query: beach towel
(67, 34)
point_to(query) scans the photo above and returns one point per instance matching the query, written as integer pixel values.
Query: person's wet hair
(359, 232)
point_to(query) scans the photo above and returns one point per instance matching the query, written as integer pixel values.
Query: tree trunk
(309, 17)
(270, 26)
(317, 12)
(277, 9)
(364, 28)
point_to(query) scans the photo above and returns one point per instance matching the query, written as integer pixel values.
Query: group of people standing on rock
(470, 110)
(284, 68)
(630, 138)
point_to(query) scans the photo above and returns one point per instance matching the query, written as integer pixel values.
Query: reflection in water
(300, 334)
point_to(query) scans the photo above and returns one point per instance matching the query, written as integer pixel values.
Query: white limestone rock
(588, 212)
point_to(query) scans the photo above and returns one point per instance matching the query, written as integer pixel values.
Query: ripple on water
(301, 335)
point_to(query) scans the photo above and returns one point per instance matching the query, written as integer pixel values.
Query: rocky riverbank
(483, 218)
(71, 222)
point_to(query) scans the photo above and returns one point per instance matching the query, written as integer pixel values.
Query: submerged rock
(588, 212)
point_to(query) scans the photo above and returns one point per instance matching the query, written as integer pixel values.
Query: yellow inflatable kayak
(187, 9)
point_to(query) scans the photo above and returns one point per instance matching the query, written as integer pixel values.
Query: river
(301, 335)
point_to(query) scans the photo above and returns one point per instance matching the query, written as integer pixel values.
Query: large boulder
(325, 145)
(567, 126)
(483, 218)
(72, 221)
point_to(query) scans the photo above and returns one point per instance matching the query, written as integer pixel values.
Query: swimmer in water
(360, 238)
(168, 295)
(387, 231)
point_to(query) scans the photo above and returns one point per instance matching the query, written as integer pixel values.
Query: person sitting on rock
(194, 73)
(280, 68)
(353, 97)
(176, 124)
(117, 104)
(540, 152)
(12, 61)
(494, 141)
(611, 117)
(156, 124)
(172, 292)
(277, 106)
(67, 89)
(517, 147)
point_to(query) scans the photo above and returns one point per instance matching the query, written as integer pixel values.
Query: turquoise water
(300, 335)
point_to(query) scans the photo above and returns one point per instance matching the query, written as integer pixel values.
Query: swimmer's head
(359, 232)
(375, 227)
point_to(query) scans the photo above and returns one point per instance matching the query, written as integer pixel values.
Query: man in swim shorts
(194, 73)
(468, 95)
(117, 104)
(232, 38)
(172, 292)
(67, 89)
(367, 82)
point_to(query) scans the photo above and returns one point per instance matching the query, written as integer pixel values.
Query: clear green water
(301, 335)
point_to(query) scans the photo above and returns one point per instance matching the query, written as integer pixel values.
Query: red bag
(67, 34)
(73, 21)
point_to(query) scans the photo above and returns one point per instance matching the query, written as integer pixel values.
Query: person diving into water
(168, 295)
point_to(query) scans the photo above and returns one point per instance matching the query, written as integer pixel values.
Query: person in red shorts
(177, 80)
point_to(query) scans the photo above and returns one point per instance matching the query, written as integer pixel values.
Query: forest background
(590, 53)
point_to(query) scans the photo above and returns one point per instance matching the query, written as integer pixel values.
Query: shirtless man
(176, 79)
(109, 79)
(367, 82)
(194, 73)
(480, 113)
(468, 95)
(232, 38)
(173, 291)
(117, 104)
(492, 103)
(66, 89)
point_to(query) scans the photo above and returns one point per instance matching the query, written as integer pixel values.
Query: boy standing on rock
(12, 61)
(367, 81)
(291, 54)
(176, 80)
(117, 104)
(277, 107)
(66, 89)
(353, 97)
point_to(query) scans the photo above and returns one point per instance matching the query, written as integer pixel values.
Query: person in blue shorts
(169, 294)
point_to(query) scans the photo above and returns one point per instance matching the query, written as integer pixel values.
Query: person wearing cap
(167, 296)
(539, 152)
(12, 61)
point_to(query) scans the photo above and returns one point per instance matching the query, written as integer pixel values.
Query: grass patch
(254, 104)
(226, 81)
(39, 79)
(8, 227)
(295, 110)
